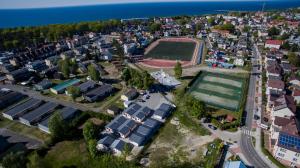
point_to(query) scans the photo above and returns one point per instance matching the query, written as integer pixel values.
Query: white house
(284, 107)
(296, 95)
(239, 62)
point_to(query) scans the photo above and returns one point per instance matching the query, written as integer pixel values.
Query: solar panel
(29, 104)
(39, 112)
(289, 141)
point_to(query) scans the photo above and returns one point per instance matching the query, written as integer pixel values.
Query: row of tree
(133, 77)
(22, 37)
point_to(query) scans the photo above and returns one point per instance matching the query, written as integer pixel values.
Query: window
(282, 150)
(297, 154)
(280, 154)
(295, 159)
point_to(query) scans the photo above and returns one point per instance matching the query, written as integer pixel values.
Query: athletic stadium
(164, 53)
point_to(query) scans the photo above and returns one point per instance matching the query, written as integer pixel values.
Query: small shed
(113, 110)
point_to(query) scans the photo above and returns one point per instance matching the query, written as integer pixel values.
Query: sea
(43, 16)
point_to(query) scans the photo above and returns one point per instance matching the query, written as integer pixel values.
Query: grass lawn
(173, 51)
(67, 153)
(22, 129)
(75, 154)
(191, 123)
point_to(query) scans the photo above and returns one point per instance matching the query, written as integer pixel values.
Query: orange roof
(274, 42)
(230, 118)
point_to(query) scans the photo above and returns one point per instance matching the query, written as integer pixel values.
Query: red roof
(230, 118)
(276, 84)
(296, 92)
(274, 42)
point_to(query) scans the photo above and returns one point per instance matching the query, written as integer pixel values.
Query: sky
(17, 4)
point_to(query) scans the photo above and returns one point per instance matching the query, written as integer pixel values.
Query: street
(249, 151)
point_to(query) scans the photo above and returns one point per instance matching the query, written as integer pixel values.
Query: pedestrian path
(247, 132)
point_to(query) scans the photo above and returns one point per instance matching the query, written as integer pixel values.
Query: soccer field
(218, 90)
(171, 50)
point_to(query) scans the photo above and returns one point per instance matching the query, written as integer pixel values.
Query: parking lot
(154, 100)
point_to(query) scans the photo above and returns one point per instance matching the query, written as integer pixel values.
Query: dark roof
(151, 123)
(135, 106)
(114, 109)
(145, 131)
(124, 130)
(87, 85)
(113, 125)
(146, 110)
(100, 91)
(128, 123)
(130, 111)
(44, 82)
(140, 115)
(67, 112)
(137, 138)
(20, 108)
(131, 93)
(161, 113)
(118, 144)
(9, 96)
(39, 112)
(165, 107)
(107, 140)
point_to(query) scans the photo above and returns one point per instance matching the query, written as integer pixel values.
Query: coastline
(68, 15)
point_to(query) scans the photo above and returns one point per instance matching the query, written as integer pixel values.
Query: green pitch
(218, 90)
(172, 51)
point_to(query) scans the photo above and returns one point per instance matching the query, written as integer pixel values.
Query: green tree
(57, 127)
(147, 80)
(64, 67)
(74, 92)
(93, 73)
(35, 161)
(178, 70)
(14, 160)
(246, 29)
(155, 27)
(92, 143)
(294, 48)
(126, 151)
(126, 76)
(89, 131)
(294, 59)
(194, 106)
(286, 45)
(273, 31)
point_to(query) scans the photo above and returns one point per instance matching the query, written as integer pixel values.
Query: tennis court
(218, 90)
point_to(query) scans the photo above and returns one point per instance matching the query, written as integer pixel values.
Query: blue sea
(44, 16)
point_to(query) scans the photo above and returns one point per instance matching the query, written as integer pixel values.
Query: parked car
(212, 127)
(256, 117)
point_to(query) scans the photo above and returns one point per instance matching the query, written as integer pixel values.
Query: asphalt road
(246, 140)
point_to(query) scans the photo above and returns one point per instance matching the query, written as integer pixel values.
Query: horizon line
(133, 2)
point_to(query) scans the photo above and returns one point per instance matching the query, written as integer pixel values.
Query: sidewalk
(258, 106)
